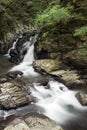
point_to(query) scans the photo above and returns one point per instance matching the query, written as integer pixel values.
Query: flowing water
(57, 102)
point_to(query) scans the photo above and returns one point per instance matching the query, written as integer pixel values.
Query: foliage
(81, 31)
(83, 51)
(52, 15)
(6, 22)
(13, 12)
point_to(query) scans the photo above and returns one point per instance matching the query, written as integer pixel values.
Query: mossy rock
(77, 58)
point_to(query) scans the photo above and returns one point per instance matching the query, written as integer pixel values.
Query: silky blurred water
(57, 102)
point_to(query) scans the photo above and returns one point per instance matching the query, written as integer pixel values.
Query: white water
(58, 103)
(29, 57)
(26, 65)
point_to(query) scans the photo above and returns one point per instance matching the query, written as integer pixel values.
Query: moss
(53, 15)
(81, 31)
(13, 12)
(83, 51)
(45, 34)
(7, 22)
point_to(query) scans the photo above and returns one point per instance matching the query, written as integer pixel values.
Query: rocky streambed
(24, 93)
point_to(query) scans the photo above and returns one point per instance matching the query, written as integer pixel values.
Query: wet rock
(14, 56)
(14, 74)
(82, 98)
(47, 65)
(3, 80)
(47, 87)
(25, 37)
(76, 58)
(70, 78)
(13, 94)
(17, 124)
(1, 114)
(17, 54)
(56, 45)
(32, 121)
(44, 82)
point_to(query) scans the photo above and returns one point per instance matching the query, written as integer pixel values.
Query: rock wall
(10, 37)
(66, 38)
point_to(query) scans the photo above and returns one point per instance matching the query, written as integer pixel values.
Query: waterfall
(13, 46)
(29, 57)
(26, 65)
(57, 102)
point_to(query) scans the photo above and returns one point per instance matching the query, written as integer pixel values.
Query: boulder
(14, 74)
(73, 79)
(70, 78)
(17, 124)
(3, 79)
(32, 121)
(76, 58)
(14, 94)
(47, 65)
(14, 56)
(82, 98)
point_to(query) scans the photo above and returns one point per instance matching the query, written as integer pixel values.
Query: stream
(56, 103)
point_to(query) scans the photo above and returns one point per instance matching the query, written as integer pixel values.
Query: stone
(70, 78)
(13, 94)
(76, 59)
(32, 121)
(82, 98)
(11, 36)
(17, 124)
(17, 53)
(14, 74)
(14, 56)
(46, 65)
(3, 80)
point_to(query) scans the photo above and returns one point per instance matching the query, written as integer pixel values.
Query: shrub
(52, 15)
(82, 31)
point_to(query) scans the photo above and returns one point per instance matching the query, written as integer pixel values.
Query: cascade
(13, 46)
(56, 103)
(26, 65)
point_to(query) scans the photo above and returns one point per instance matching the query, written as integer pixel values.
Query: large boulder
(14, 94)
(76, 58)
(70, 78)
(32, 121)
(62, 43)
(46, 65)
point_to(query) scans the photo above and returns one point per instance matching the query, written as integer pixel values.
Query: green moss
(82, 31)
(83, 51)
(13, 12)
(7, 22)
(52, 15)
(45, 34)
